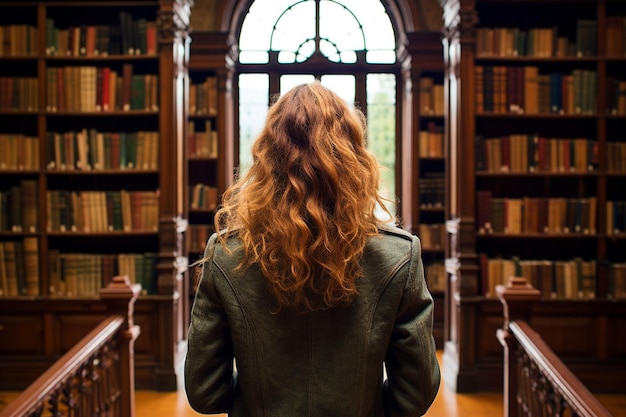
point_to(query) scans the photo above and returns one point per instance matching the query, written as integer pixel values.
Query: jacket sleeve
(411, 360)
(209, 376)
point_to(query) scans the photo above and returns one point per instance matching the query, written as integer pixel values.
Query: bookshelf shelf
(532, 137)
(421, 211)
(209, 144)
(70, 105)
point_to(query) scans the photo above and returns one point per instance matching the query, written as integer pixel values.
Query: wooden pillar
(517, 298)
(119, 297)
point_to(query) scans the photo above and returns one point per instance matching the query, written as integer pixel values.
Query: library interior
(500, 127)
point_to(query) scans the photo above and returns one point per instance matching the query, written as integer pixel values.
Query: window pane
(294, 27)
(289, 26)
(287, 82)
(381, 123)
(340, 26)
(254, 57)
(381, 57)
(253, 105)
(343, 85)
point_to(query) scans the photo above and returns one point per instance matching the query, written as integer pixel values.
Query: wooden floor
(447, 404)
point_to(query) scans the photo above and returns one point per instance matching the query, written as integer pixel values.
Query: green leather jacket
(322, 364)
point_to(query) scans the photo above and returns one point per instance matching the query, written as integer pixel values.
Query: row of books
(435, 274)
(203, 97)
(570, 279)
(432, 236)
(102, 211)
(202, 143)
(535, 214)
(18, 152)
(19, 40)
(19, 267)
(70, 274)
(203, 197)
(432, 190)
(534, 153)
(132, 36)
(95, 89)
(537, 42)
(431, 97)
(89, 149)
(83, 275)
(19, 94)
(615, 217)
(616, 36)
(19, 207)
(524, 90)
(431, 141)
(197, 236)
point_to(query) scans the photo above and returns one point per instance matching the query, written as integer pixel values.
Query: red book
(90, 42)
(151, 38)
(106, 89)
(99, 88)
(127, 75)
(519, 87)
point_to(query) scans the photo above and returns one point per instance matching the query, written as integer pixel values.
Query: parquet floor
(447, 404)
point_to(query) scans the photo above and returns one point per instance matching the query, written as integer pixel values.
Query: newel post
(517, 299)
(119, 297)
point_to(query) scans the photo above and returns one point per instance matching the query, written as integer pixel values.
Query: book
(31, 265)
(126, 87)
(11, 268)
(29, 202)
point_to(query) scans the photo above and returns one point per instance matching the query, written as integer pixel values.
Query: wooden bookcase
(210, 143)
(495, 181)
(423, 164)
(97, 189)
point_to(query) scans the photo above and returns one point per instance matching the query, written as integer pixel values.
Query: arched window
(349, 45)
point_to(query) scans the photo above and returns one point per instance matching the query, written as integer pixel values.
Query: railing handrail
(96, 375)
(576, 393)
(534, 376)
(70, 362)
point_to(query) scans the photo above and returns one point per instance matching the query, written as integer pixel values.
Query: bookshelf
(90, 124)
(534, 131)
(423, 165)
(210, 141)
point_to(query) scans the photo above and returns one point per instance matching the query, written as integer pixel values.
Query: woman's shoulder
(393, 231)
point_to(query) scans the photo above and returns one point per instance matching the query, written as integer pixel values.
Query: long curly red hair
(307, 206)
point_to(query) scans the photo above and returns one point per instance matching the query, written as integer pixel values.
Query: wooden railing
(96, 377)
(536, 381)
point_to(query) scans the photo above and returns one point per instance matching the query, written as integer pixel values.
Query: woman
(304, 287)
